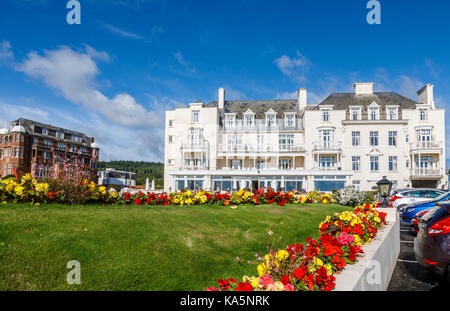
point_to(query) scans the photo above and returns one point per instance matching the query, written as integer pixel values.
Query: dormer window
(355, 114)
(230, 120)
(249, 118)
(289, 120)
(392, 113)
(195, 116)
(374, 113)
(271, 118)
(423, 114)
(326, 115)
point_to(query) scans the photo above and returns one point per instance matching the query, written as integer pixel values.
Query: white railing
(327, 146)
(334, 167)
(200, 145)
(426, 145)
(261, 125)
(252, 168)
(426, 172)
(224, 148)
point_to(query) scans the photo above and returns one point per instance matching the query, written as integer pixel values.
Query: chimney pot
(302, 99)
(363, 88)
(221, 98)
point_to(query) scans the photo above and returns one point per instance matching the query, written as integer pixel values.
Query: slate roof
(341, 101)
(29, 127)
(259, 107)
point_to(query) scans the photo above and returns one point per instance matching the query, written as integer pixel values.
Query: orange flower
(226, 202)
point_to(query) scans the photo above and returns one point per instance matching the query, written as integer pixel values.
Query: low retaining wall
(373, 272)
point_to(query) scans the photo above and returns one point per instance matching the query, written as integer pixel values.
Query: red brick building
(32, 147)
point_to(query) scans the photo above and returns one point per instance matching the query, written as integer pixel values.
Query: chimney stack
(302, 99)
(221, 99)
(426, 95)
(365, 88)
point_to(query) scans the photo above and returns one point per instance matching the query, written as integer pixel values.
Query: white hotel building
(348, 139)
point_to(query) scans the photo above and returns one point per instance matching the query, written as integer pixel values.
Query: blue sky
(114, 75)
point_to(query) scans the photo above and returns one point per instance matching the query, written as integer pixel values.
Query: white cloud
(6, 54)
(295, 68)
(120, 32)
(185, 64)
(73, 74)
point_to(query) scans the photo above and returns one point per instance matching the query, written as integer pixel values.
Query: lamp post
(384, 189)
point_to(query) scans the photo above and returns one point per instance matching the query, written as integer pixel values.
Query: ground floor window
(230, 183)
(189, 183)
(329, 183)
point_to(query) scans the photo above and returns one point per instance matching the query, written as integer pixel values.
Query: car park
(403, 198)
(432, 243)
(407, 214)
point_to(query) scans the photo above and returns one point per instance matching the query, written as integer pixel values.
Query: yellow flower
(262, 268)
(282, 255)
(318, 262)
(18, 190)
(254, 282)
(329, 269)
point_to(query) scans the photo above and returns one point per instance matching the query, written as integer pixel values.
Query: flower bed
(30, 190)
(311, 267)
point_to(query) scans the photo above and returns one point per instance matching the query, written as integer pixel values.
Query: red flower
(244, 287)
(138, 202)
(224, 284)
(285, 280)
(300, 273)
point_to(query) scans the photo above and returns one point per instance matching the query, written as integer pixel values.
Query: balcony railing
(224, 148)
(426, 145)
(331, 146)
(261, 125)
(333, 167)
(200, 145)
(426, 172)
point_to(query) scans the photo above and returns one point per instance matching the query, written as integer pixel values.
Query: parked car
(403, 198)
(407, 213)
(415, 221)
(432, 243)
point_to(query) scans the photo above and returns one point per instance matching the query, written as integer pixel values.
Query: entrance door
(254, 185)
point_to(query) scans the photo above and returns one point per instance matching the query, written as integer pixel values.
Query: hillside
(143, 170)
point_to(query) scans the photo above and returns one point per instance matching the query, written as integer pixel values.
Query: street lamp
(384, 189)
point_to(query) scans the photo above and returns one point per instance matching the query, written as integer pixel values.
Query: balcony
(426, 146)
(332, 168)
(195, 146)
(427, 173)
(243, 148)
(261, 125)
(327, 147)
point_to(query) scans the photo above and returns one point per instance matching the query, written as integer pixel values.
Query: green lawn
(140, 248)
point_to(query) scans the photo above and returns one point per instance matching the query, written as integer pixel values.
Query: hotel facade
(348, 139)
(32, 147)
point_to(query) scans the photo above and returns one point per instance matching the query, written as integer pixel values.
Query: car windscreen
(442, 197)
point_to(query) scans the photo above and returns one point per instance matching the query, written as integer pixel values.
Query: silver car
(405, 197)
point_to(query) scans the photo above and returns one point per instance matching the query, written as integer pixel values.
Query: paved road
(408, 274)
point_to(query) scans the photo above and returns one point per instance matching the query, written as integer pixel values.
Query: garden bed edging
(374, 270)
